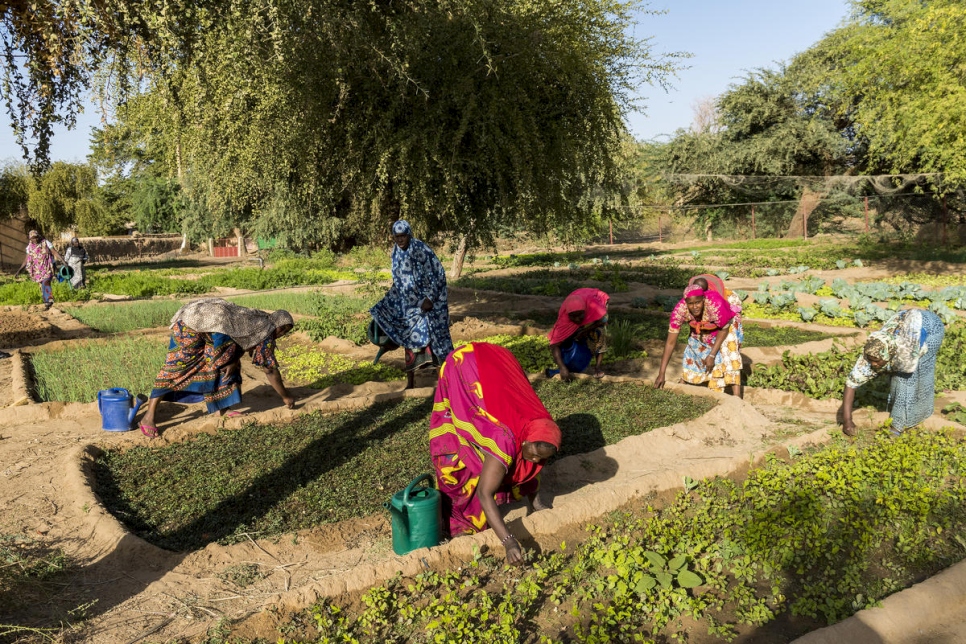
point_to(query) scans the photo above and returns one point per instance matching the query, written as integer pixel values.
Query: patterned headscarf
(880, 346)
(247, 327)
(402, 227)
(694, 291)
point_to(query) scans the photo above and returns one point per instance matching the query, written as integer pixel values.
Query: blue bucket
(115, 407)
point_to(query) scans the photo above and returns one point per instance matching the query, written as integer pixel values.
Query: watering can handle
(99, 402)
(416, 481)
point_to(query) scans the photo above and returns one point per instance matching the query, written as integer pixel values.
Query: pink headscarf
(591, 300)
(694, 291)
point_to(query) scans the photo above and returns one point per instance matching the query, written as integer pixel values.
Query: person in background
(415, 311)
(76, 256)
(711, 355)
(579, 333)
(906, 346)
(208, 339)
(489, 438)
(39, 262)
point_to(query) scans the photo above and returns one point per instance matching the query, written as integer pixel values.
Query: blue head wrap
(402, 227)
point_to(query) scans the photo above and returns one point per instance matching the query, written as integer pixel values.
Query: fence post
(866, 214)
(804, 222)
(754, 234)
(611, 232)
(945, 219)
(660, 237)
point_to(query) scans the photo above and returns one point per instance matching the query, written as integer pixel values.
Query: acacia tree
(319, 122)
(899, 70)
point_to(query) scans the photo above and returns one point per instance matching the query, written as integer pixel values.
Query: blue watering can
(117, 414)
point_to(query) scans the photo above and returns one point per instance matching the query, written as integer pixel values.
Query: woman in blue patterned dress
(906, 346)
(415, 311)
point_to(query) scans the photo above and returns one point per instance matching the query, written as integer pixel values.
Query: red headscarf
(591, 300)
(510, 398)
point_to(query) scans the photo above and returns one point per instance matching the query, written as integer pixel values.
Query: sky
(727, 39)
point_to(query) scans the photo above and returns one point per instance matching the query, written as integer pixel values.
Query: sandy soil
(134, 590)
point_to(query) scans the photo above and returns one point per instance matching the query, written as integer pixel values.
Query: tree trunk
(809, 202)
(458, 258)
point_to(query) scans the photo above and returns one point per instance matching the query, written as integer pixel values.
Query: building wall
(13, 241)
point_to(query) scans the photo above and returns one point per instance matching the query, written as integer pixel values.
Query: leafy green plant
(78, 372)
(270, 479)
(341, 316)
(118, 317)
(820, 538)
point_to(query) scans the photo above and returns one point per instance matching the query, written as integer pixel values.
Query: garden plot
(18, 328)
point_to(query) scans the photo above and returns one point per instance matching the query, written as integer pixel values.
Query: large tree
(899, 70)
(319, 121)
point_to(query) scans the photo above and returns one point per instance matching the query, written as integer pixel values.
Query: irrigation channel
(131, 590)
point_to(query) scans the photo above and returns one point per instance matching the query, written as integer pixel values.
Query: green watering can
(416, 516)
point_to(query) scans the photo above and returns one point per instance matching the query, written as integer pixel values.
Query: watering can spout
(139, 400)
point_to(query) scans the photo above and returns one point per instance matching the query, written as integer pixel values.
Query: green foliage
(317, 369)
(24, 292)
(271, 479)
(65, 196)
(897, 66)
(141, 284)
(299, 303)
(829, 534)
(118, 317)
(77, 373)
(337, 315)
(537, 259)
(822, 375)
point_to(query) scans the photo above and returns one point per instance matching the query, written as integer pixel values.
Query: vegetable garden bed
(796, 545)
(267, 480)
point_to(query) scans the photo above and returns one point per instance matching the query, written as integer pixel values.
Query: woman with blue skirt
(579, 334)
(906, 346)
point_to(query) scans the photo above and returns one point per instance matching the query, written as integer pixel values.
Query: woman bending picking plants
(906, 346)
(208, 339)
(489, 438)
(579, 333)
(712, 355)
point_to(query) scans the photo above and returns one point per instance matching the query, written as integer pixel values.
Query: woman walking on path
(579, 333)
(712, 354)
(489, 438)
(39, 262)
(906, 346)
(208, 339)
(415, 311)
(76, 256)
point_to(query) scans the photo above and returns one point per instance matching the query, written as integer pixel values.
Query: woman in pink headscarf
(712, 355)
(579, 333)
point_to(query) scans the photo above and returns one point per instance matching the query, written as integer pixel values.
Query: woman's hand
(427, 305)
(708, 362)
(849, 428)
(514, 554)
(659, 381)
(565, 374)
(289, 401)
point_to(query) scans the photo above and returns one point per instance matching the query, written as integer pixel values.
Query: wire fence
(938, 220)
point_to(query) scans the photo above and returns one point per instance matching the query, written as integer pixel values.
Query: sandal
(234, 414)
(149, 431)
